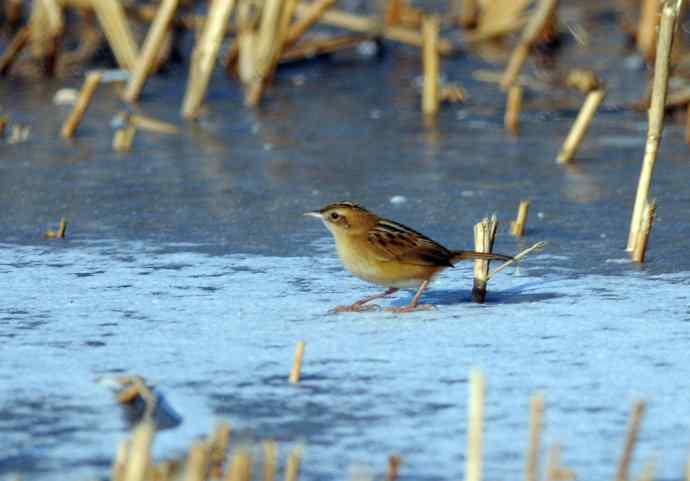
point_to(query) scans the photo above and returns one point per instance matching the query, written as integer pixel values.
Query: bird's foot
(355, 308)
(410, 308)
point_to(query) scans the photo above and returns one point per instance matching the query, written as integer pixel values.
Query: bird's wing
(391, 241)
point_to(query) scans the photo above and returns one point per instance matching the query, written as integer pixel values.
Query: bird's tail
(487, 256)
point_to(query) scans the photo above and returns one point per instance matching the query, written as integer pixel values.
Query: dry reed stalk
(393, 468)
(13, 49)
(517, 227)
(240, 468)
(293, 464)
(197, 462)
(530, 35)
(310, 16)
(638, 254)
(669, 16)
(270, 460)
(311, 48)
(536, 413)
(430, 97)
(580, 126)
(475, 427)
(153, 125)
(149, 51)
(113, 21)
(218, 443)
(516, 258)
(269, 56)
(246, 43)
(484, 236)
(59, 233)
(123, 138)
(630, 440)
(297, 363)
(139, 457)
(85, 94)
(687, 125)
(204, 56)
(646, 29)
(364, 24)
(46, 28)
(117, 471)
(513, 106)
(469, 14)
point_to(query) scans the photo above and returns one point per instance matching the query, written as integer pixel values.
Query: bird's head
(345, 218)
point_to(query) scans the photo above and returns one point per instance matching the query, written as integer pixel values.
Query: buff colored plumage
(387, 253)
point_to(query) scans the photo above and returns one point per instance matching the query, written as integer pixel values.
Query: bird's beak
(316, 214)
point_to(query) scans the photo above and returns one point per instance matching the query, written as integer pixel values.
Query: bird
(387, 253)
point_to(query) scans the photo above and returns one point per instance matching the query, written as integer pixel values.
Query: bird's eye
(334, 215)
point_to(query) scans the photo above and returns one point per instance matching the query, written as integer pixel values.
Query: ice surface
(217, 334)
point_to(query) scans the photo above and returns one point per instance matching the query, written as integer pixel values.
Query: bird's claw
(418, 307)
(355, 308)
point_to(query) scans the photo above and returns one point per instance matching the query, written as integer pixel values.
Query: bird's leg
(359, 306)
(413, 306)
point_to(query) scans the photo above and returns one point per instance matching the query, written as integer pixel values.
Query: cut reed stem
(270, 460)
(297, 363)
(393, 471)
(13, 49)
(475, 427)
(154, 40)
(430, 97)
(517, 227)
(113, 21)
(669, 16)
(530, 35)
(123, 138)
(513, 106)
(293, 464)
(580, 126)
(139, 457)
(484, 236)
(204, 56)
(85, 94)
(197, 462)
(638, 254)
(240, 468)
(630, 441)
(535, 428)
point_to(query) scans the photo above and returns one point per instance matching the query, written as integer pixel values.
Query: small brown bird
(386, 253)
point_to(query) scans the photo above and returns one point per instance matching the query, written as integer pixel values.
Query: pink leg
(359, 305)
(413, 306)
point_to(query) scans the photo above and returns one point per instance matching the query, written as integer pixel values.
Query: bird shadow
(525, 293)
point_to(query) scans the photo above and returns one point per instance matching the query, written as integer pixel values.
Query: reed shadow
(526, 293)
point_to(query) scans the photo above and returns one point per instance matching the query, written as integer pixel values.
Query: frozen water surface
(217, 334)
(188, 261)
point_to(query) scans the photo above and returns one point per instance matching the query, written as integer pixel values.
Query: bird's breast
(363, 263)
